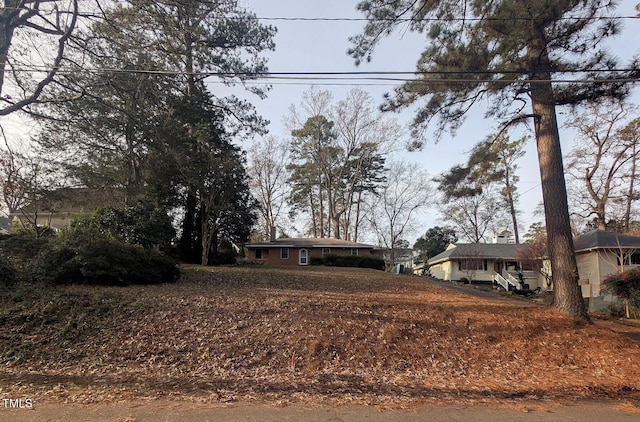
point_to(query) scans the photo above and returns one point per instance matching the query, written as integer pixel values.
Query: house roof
(291, 242)
(505, 251)
(75, 201)
(601, 239)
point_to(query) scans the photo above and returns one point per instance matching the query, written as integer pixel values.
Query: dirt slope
(321, 336)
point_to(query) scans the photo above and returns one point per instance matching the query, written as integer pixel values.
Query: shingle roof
(601, 239)
(478, 251)
(309, 243)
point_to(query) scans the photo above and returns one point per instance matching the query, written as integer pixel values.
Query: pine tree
(511, 52)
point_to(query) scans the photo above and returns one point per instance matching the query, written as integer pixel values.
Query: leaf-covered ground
(313, 335)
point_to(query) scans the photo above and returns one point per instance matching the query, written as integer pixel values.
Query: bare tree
(535, 253)
(394, 213)
(599, 158)
(471, 263)
(30, 189)
(475, 217)
(337, 159)
(268, 174)
(630, 135)
(28, 29)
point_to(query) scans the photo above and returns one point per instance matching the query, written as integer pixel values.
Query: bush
(20, 249)
(333, 260)
(142, 224)
(625, 285)
(226, 257)
(7, 272)
(102, 261)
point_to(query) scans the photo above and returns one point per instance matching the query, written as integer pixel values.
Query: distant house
(483, 262)
(5, 225)
(601, 253)
(299, 251)
(57, 208)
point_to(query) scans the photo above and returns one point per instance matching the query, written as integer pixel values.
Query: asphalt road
(157, 411)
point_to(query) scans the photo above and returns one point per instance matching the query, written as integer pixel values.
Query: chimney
(272, 234)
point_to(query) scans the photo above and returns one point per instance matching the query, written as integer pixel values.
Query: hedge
(104, 262)
(357, 261)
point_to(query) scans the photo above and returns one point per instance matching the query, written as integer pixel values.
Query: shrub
(20, 249)
(315, 260)
(142, 224)
(226, 257)
(7, 272)
(102, 261)
(625, 285)
(333, 260)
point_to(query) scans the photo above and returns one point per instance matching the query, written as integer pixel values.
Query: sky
(320, 46)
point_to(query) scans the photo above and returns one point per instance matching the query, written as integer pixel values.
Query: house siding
(595, 266)
(450, 271)
(272, 255)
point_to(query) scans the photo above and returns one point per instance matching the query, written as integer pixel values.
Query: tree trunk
(630, 193)
(512, 207)
(186, 245)
(567, 294)
(600, 214)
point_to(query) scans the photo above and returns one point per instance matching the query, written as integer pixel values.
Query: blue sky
(320, 46)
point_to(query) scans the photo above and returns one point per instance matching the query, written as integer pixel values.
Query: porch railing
(514, 281)
(507, 281)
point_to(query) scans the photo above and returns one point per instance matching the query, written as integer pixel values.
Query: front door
(497, 267)
(303, 257)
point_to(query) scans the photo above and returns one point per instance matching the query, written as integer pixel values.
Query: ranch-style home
(601, 253)
(485, 262)
(299, 251)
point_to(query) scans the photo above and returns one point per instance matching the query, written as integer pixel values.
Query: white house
(483, 262)
(601, 253)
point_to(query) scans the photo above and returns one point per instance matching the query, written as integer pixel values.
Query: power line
(468, 19)
(390, 76)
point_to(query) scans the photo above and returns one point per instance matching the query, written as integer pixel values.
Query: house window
(303, 257)
(284, 253)
(258, 253)
(633, 259)
(512, 266)
(472, 265)
(326, 251)
(354, 251)
(528, 266)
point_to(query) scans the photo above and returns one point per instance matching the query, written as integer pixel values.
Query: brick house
(299, 251)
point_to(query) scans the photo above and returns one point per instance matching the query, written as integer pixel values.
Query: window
(326, 251)
(258, 253)
(633, 259)
(472, 265)
(354, 251)
(303, 257)
(528, 266)
(284, 253)
(511, 266)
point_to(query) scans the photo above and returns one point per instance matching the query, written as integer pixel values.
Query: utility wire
(469, 19)
(395, 19)
(400, 76)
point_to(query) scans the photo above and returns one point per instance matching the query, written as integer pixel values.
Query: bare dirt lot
(316, 336)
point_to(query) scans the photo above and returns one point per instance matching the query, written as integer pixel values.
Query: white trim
(306, 257)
